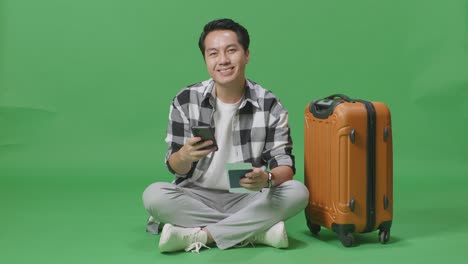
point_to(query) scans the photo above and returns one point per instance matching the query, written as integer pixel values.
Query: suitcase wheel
(347, 239)
(384, 236)
(314, 228)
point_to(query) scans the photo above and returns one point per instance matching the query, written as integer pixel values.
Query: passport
(236, 171)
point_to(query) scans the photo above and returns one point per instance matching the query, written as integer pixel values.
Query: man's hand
(255, 180)
(181, 161)
(192, 150)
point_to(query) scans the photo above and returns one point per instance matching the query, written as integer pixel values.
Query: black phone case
(206, 133)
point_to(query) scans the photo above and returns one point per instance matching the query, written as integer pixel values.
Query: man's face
(225, 58)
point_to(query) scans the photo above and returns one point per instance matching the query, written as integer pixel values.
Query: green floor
(96, 216)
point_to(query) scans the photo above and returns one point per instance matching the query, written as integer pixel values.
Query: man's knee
(297, 194)
(155, 196)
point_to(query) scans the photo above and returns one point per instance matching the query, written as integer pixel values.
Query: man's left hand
(255, 180)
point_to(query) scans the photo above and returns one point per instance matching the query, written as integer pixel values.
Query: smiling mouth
(225, 70)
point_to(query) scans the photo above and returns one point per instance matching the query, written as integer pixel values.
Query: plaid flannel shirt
(260, 130)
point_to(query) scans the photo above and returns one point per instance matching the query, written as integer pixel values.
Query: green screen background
(85, 88)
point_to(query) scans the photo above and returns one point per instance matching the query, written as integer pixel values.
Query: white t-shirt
(215, 177)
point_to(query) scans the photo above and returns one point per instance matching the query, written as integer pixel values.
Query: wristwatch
(270, 180)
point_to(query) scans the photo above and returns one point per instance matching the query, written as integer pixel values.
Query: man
(250, 126)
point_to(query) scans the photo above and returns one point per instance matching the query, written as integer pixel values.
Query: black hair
(225, 24)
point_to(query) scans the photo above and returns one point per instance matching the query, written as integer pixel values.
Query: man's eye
(231, 50)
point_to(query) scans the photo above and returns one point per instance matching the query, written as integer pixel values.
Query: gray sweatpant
(229, 217)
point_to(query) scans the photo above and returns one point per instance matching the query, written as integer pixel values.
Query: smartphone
(206, 133)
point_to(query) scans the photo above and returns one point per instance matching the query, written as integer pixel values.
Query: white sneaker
(276, 236)
(175, 238)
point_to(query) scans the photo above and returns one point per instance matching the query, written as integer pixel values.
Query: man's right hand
(182, 160)
(193, 149)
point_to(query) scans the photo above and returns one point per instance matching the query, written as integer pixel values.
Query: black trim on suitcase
(371, 165)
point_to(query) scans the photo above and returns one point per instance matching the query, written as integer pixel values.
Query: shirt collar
(250, 94)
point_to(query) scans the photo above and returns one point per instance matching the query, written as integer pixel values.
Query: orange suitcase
(348, 166)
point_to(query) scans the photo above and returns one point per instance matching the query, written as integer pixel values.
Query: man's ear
(247, 55)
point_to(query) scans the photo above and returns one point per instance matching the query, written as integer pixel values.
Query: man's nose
(224, 58)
